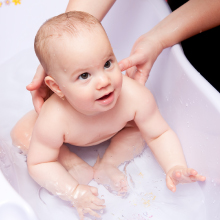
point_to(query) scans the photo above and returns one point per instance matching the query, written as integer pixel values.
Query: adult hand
(39, 91)
(143, 55)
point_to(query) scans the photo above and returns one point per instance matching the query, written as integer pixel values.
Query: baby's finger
(98, 201)
(198, 178)
(96, 207)
(170, 185)
(91, 212)
(80, 213)
(176, 175)
(94, 190)
(189, 172)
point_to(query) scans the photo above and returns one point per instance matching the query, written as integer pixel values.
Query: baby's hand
(181, 174)
(85, 200)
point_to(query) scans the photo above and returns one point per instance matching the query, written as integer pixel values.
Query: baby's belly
(91, 138)
(89, 142)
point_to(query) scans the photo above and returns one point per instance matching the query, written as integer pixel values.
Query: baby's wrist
(74, 191)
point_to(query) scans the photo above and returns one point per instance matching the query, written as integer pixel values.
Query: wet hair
(71, 23)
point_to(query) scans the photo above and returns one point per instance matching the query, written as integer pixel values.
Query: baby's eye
(84, 76)
(108, 64)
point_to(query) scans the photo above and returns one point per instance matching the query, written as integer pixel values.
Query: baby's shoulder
(140, 99)
(134, 91)
(54, 111)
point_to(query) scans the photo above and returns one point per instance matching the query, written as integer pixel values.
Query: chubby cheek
(79, 97)
(118, 80)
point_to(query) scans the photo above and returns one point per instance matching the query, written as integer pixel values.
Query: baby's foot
(111, 177)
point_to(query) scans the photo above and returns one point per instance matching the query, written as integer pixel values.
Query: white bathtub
(187, 101)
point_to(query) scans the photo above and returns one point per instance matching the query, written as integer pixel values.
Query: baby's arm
(45, 169)
(163, 142)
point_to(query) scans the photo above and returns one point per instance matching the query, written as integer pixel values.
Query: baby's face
(87, 72)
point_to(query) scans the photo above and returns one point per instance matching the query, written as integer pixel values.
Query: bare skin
(192, 18)
(93, 102)
(21, 136)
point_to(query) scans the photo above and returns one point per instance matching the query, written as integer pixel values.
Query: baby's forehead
(80, 50)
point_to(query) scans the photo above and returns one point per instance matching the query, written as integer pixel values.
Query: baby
(92, 102)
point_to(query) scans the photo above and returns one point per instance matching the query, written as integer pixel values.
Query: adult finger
(133, 60)
(37, 100)
(37, 80)
(141, 76)
(131, 72)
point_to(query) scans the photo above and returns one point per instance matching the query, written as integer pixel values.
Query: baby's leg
(124, 146)
(22, 131)
(77, 168)
(21, 136)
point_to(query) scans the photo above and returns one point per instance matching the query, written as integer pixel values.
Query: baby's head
(74, 50)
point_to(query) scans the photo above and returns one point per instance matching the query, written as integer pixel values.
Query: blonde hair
(71, 23)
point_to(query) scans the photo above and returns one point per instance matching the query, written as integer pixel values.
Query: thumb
(133, 60)
(37, 80)
(94, 191)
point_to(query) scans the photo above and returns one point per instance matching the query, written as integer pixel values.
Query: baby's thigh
(22, 131)
(129, 136)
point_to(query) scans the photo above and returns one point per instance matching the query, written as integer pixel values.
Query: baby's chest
(94, 132)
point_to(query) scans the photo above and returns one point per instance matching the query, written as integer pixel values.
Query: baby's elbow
(30, 167)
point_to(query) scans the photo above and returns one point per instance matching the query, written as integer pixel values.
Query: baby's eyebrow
(80, 70)
(109, 54)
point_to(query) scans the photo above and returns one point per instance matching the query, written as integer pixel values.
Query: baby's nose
(103, 81)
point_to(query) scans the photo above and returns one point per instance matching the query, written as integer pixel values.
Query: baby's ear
(52, 84)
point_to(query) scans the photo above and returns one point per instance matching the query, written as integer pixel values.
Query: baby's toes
(124, 185)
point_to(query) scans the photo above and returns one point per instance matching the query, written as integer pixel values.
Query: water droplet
(187, 104)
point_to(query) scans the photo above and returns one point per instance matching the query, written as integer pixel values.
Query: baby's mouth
(105, 96)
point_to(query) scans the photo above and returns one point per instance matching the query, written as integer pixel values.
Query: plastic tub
(187, 101)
